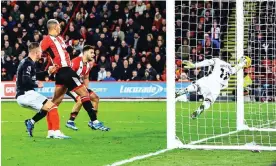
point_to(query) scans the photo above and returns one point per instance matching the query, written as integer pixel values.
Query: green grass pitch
(137, 128)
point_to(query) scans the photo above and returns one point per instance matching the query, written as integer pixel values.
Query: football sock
(54, 118)
(41, 114)
(73, 115)
(49, 123)
(87, 105)
(205, 105)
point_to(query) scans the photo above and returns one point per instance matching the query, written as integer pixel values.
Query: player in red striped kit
(81, 65)
(66, 78)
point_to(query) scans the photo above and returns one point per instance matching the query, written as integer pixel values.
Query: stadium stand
(205, 29)
(130, 33)
(200, 30)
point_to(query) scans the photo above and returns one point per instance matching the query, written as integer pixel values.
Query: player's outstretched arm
(190, 65)
(242, 63)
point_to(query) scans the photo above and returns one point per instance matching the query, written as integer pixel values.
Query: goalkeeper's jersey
(219, 71)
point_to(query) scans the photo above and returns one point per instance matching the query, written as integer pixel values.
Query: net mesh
(206, 29)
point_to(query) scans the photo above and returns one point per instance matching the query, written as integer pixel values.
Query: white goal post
(246, 132)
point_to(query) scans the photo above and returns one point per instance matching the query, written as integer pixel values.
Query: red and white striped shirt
(79, 67)
(56, 48)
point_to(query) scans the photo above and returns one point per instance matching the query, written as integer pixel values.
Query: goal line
(193, 144)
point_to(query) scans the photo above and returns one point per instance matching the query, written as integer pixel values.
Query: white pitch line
(138, 157)
(213, 137)
(226, 134)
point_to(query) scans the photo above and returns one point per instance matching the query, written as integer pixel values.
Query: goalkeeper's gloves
(243, 61)
(188, 64)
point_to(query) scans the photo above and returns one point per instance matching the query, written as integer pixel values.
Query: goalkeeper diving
(214, 81)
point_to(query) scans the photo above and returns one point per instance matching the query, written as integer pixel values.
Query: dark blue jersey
(26, 76)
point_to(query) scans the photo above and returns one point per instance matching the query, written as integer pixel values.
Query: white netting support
(236, 120)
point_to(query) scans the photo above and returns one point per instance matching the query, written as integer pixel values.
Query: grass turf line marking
(226, 134)
(138, 157)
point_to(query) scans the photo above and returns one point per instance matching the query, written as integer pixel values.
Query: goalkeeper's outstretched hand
(188, 64)
(245, 61)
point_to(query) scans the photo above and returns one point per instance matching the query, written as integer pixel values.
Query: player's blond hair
(51, 22)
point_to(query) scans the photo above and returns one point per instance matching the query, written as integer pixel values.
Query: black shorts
(74, 96)
(67, 77)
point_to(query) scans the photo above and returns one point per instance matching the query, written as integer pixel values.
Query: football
(248, 61)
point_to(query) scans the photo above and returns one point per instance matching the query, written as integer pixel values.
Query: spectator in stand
(140, 70)
(104, 62)
(150, 45)
(157, 21)
(104, 25)
(119, 33)
(134, 55)
(152, 72)
(215, 31)
(101, 73)
(3, 58)
(140, 7)
(147, 77)
(138, 44)
(123, 50)
(7, 48)
(108, 77)
(213, 43)
(131, 63)
(5, 76)
(118, 61)
(158, 78)
(115, 71)
(126, 72)
(115, 41)
(183, 77)
(158, 64)
(144, 60)
(135, 76)
(208, 9)
(183, 51)
(101, 48)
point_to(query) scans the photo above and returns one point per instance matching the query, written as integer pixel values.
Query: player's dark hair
(87, 47)
(33, 45)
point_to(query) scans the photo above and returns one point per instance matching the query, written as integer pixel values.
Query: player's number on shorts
(224, 74)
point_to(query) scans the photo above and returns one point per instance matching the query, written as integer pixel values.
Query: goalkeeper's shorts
(208, 88)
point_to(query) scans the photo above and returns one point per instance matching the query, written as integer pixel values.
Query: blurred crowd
(129, 37)
(262, 50)
(200, 30)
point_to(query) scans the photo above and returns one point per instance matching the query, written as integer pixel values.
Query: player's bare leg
(53, 117)
(48, 107)
(204, 106)
(77, 107)
(85, 99)
(59, 94)
(95, 101)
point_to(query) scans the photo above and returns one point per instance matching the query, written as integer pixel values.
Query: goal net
(244, 114)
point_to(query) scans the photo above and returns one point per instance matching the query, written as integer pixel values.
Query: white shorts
(209, 89)
(31, 99)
